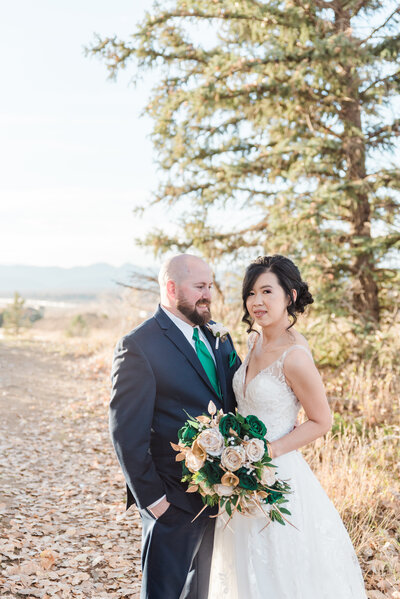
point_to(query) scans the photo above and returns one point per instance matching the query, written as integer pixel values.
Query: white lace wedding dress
(315, 560)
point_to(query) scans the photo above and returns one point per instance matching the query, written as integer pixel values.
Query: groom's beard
(191, 313)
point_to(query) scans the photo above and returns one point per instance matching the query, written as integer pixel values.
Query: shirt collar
(187, 329)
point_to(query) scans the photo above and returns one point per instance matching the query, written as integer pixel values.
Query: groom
(167, 366)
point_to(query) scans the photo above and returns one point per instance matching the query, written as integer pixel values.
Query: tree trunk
(364, 290)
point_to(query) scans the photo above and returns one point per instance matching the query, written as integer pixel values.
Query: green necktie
(206, 361)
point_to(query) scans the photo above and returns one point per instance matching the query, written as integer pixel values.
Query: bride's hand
(270, 450)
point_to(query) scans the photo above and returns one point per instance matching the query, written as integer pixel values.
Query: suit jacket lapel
(218, 361)
(182, 344)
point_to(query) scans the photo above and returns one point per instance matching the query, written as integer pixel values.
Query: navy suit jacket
(157, 378)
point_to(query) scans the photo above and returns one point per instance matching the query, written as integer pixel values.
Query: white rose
(233, 457)
(223, 490)
(268, 476)
(211, 441)
(193, 462)
(255, 450)
(218, 329)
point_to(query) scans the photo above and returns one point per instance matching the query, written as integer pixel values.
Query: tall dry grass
(359, 472)
(358, 463)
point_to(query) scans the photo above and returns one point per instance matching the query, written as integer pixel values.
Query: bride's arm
(303, 377)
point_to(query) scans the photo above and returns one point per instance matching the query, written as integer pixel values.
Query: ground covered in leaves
(64, 532)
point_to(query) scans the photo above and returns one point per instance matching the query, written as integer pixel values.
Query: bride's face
(267, 302)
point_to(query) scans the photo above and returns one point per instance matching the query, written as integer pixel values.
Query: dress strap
(251, 341)
(296, 346)
(252, 338)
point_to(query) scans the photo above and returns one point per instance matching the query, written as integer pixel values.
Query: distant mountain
(56, 281)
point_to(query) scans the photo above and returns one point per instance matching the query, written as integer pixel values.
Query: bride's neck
(272, 334)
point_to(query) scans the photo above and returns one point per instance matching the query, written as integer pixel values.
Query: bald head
(185, 286)
(179, 268)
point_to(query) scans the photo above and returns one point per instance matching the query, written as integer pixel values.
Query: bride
(314, 559)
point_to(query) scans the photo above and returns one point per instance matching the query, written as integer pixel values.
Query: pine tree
(14, 315)
(273, 125)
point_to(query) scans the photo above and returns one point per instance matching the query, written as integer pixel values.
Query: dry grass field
(64, 531)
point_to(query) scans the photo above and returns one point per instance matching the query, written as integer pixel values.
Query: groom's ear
(171, 289)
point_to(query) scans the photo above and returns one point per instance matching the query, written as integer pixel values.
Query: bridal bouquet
(225, 459)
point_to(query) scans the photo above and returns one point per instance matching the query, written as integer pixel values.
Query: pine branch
(321, 126)
(222, 15)
(383, 135)
(393, 76)
(324, 4)
(359, 6)
(396, 11)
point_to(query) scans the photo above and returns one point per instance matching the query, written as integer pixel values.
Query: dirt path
(63, 528)
(64, 532)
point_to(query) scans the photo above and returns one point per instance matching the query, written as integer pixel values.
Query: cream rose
(255, 450)
(233, 457)
(223, 490)
(193, 462)
(211, 441)
(268, 476)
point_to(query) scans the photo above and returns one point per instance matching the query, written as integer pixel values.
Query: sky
(75, 154)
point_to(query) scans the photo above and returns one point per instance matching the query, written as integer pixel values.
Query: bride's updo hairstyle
(289, 278)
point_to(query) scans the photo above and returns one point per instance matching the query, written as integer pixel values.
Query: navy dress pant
(176, 555)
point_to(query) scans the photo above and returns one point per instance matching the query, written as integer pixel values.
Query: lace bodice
(268, 395)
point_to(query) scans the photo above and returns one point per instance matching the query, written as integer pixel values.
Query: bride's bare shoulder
(299, 339)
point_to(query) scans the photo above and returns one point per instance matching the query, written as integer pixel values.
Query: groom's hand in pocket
(161, 507)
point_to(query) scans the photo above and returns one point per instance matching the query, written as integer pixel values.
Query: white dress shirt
(187, 330)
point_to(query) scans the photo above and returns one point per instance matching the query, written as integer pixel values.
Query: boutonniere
(219, 332)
